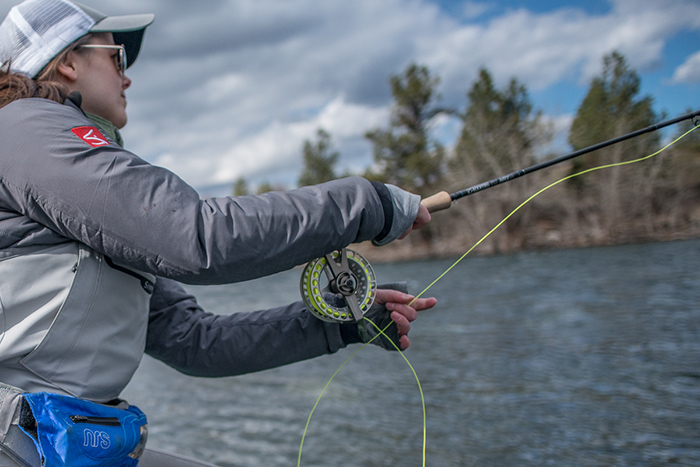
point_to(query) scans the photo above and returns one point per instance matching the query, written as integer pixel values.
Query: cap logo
(91, 135)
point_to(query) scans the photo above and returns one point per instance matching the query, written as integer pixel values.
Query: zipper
(147, 285)
(104, 421)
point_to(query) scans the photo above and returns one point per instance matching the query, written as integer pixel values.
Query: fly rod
(346, 274)
(443, 199)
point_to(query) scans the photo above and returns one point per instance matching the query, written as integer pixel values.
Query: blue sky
(565, 95)
(232, 88)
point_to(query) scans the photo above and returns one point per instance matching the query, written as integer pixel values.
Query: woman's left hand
(401, 312)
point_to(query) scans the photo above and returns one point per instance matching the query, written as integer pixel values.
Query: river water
(578, 357)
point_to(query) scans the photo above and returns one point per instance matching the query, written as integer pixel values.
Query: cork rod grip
(437, 202)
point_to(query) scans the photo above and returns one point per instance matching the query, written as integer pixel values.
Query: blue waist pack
(68, 431)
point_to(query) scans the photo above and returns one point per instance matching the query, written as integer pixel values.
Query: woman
(93, 240)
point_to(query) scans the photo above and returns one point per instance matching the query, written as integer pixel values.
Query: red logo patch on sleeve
(91, 135)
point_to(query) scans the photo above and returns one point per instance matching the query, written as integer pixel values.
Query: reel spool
(347, 275)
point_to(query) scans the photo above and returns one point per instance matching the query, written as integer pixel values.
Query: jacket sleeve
(146, 217)
(198, 343)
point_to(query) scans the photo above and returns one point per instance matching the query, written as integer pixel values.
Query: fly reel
(349, 277)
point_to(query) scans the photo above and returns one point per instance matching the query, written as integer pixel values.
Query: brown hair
(14, 86)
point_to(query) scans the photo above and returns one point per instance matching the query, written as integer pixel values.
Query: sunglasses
(119, 59)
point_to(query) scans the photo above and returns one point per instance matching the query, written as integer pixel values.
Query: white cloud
(276, 149)
(543, 49)
(688, 72)
(226, 88)
(559, 126)
(259, 79)
(472, 10)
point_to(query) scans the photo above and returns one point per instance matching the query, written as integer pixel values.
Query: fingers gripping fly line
(382, 331)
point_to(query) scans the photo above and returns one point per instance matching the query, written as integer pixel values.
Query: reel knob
(348, 277)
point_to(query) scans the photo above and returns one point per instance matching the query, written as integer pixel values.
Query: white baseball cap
(35, 31)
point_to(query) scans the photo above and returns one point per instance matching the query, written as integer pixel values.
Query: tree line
(657, 199)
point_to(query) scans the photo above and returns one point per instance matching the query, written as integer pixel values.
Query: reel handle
(345, 274)
(437, 202)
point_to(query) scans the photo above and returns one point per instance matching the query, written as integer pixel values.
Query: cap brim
(123, 23)
(127, 30)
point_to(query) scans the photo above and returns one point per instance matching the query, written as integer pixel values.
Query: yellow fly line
(382, 331)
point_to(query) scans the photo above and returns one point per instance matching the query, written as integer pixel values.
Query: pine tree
(684, 156)
(405, 153)
(319, 160)
(677, 191)
(613, 108)
(500, 133)
(240, 187)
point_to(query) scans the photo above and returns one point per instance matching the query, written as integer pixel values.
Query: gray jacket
(72, 200)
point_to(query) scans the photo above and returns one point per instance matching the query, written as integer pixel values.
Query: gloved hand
(391, 309)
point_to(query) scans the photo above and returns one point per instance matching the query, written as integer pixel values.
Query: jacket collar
(104, 125)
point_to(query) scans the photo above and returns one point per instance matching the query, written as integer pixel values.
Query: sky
(225, 89)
